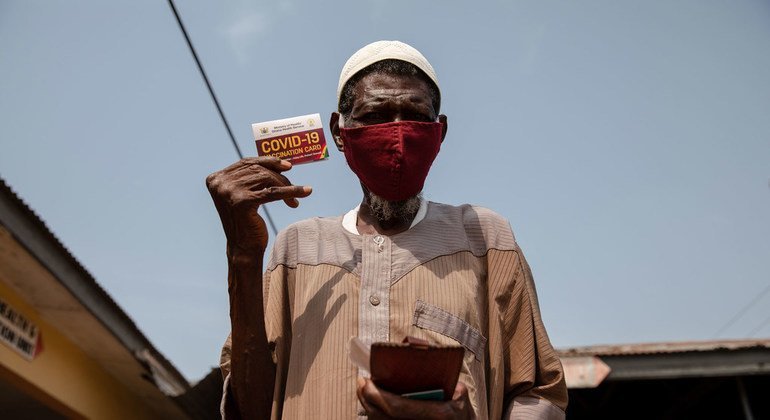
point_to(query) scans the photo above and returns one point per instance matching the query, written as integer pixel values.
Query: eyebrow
(381, 94)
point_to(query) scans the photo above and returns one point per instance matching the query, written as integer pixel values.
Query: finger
(279, 178)
(388, 404)
(269, 162)
(360, 384)
(368, 393)
(402, 407)
(256, 176)
(372, 411)
(395, 406)
(241, 163)
(274, 163)
(461, 402)
(260, 181)
(281, 193)
(291, 202)
(461, 391)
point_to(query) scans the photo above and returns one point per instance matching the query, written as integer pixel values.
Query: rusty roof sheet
(13, 200)
(663, 347)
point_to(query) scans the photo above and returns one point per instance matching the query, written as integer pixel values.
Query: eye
(373, 117)
(419, 116)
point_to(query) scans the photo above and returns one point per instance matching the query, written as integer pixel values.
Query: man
(395, 266)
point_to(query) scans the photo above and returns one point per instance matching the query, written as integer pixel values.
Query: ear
(334, 126)
(444, 126)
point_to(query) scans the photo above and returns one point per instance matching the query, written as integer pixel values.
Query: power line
(759, 327)
(743, 310)
(214, 98)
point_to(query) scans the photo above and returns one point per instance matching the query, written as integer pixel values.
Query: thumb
(461, 391)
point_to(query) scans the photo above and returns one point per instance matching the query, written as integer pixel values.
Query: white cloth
(383, 50)
(350, 218)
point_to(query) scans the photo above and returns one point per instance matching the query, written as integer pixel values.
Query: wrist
(244, 256)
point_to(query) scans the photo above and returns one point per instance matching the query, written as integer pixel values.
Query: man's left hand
(381, 404)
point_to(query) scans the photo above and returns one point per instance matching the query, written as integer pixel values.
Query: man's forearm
(253, 373)
(237, 191)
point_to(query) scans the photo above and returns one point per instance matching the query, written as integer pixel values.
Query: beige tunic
(457, 276)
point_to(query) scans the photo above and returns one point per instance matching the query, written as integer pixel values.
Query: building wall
(63, 377)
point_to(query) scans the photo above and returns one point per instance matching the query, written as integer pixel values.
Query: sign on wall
(18, 332)
(584, 371)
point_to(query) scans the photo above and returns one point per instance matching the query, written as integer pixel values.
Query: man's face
(383, 98)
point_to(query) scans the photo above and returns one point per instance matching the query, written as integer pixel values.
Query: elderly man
(395, 266)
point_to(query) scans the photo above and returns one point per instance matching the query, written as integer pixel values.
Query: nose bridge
(400, 107)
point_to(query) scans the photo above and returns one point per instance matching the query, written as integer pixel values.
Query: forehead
(378, 86)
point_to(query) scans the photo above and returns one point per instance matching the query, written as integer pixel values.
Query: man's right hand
(240, 189)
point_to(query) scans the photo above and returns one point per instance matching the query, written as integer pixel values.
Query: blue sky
(627, 142)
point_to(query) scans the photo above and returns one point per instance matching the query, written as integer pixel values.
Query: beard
(387, 212)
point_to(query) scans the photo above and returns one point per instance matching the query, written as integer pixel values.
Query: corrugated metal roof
(24, 223)
(663, 347)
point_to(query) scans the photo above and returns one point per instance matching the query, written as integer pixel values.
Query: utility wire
(759, 327)
(214, 98)
(743, 311)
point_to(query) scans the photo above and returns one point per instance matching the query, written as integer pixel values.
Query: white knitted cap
(383, 50)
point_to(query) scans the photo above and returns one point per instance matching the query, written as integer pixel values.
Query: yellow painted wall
(67, 375)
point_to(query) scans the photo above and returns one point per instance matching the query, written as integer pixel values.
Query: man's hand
(240, 189)
(381, 404)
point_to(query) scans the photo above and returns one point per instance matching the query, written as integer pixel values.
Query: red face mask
(392, 159)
